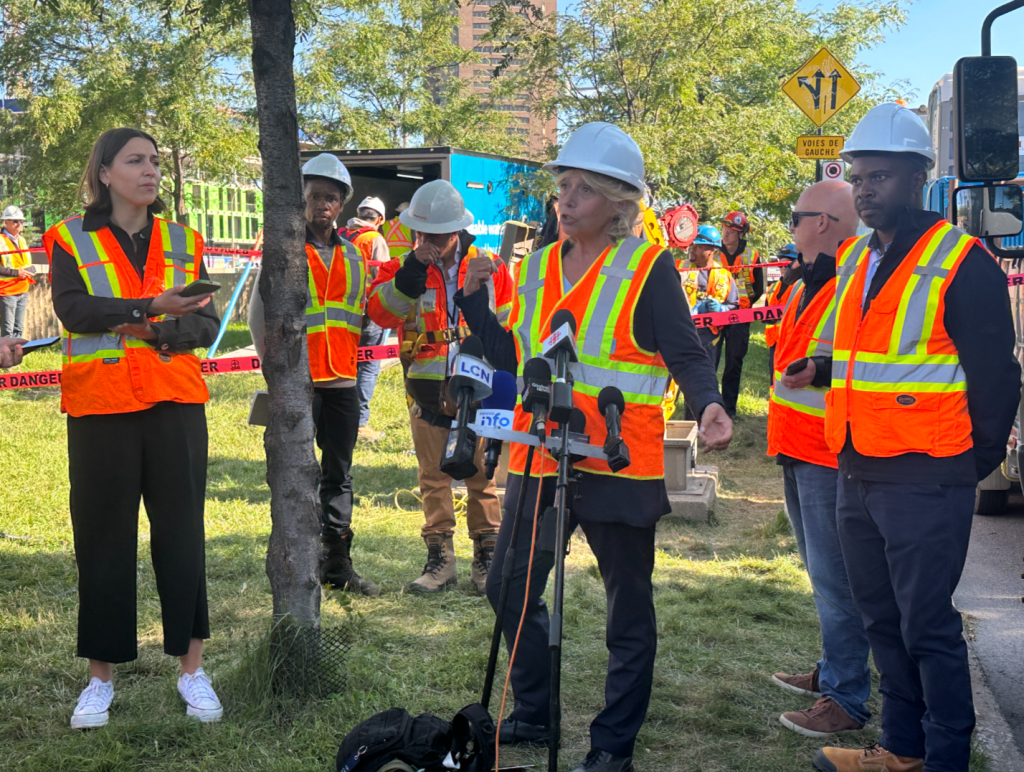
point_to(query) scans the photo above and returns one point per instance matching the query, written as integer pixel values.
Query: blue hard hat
(708, 234)
(788, 252)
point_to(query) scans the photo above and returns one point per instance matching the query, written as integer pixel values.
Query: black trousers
(625, 557)
(735, 339)
(159, 456)
(905, 547)
(336, 414)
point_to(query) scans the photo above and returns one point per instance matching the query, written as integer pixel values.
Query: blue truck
(496, 188)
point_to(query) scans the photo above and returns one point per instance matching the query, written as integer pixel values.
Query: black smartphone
(798, 366)
(35, 345)
(200, 287)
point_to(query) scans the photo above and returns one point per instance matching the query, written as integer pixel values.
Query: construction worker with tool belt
(924, 389)
(334, 314)
(15, 273)
(735, 338)
(633, 331)
(841, 679)
(417, 295)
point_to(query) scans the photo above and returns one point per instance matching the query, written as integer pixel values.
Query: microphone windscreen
(563, 316)
(609, 395)
(577, 421)
(472, 346)
(503, 394)
(537, 369)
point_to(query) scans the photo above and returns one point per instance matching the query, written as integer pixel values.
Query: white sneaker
(198, 693)
(93, 705)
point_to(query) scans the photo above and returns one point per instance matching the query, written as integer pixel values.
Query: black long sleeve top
(83, 313)
(980, 323)
(662, 323)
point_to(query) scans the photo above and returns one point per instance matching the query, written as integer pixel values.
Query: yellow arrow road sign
(821, 87)
(817, 146)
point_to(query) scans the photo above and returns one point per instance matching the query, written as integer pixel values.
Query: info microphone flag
(471, 382)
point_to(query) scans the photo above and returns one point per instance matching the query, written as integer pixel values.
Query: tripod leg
(555, 640)
(507, 569)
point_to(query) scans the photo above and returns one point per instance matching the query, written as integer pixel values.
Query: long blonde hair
(625, 198)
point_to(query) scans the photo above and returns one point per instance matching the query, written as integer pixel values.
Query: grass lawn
(733, 606)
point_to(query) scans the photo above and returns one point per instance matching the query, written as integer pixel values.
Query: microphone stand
(508, 567)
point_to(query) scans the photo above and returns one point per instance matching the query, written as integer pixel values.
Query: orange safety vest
(897, 383)
(776, 298)
(399, 238)
(106, 373)
(744, 276)
(603, 303)
(362, 239)
(796, 417)
(10, 285)
(428, 313)
(334, 312)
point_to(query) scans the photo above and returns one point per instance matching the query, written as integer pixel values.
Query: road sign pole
(817, 164)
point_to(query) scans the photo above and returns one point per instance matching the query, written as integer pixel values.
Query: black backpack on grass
(423, 742)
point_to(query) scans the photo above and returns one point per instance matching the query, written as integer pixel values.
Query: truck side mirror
(993, 211)
(985, 130)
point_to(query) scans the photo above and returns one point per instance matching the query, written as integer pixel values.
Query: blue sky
(936, 34)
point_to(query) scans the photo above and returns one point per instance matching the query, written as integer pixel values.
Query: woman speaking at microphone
(134, 395)
(634, 330)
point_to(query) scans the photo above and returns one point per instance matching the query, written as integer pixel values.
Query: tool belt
(413, 341)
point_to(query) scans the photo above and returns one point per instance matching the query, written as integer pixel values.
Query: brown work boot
(825, 718)
(872, 759)
(439, 571)
(804, 683)
(483, 554)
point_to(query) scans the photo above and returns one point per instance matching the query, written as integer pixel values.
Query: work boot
(825, 718)
(804, 683)
(872, 759)
(336, 566)
(603, 761)
(483, 554)
(439, 570)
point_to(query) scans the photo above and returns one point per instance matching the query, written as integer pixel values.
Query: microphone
(577, 425)
(612, 405)
(561, 346)
(471, 383)
(497, 410)
(537, 393)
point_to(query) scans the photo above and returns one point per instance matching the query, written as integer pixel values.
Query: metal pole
(986, 28)
(555, 635)
(817, 164)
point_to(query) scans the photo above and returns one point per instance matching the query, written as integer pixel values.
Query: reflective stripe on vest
(334, 311)
(12, 285)
(743, 276)
(603, 302)
(398, 237)
(911, 378)
(809, 400)
(105, 373)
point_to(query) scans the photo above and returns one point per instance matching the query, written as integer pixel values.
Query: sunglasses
(794, 221)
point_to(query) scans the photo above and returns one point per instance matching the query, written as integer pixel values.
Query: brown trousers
(483, 513)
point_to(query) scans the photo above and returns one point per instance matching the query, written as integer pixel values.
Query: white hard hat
(374, 203)
(402, 207)
(13, 213)
(889, 128)
(329, 167)
(436, 207)
(603, 148)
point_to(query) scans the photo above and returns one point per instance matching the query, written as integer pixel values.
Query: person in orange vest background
(134, 395)
(334, 316)
(15, 273)
(924, 389)
(778, 294)
(796, 437)
(633, 331)
(363, 231)
(397, 235)
(419, 294)
(735, 338)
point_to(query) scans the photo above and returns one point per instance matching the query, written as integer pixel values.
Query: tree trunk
(293, 556)
(179, 186)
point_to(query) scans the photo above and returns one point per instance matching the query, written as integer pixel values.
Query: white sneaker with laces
(93, 705)
(198, 693)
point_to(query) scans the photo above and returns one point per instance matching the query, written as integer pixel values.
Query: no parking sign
(833, 170)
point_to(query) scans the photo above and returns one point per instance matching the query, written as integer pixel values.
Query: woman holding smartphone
(135, 396)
